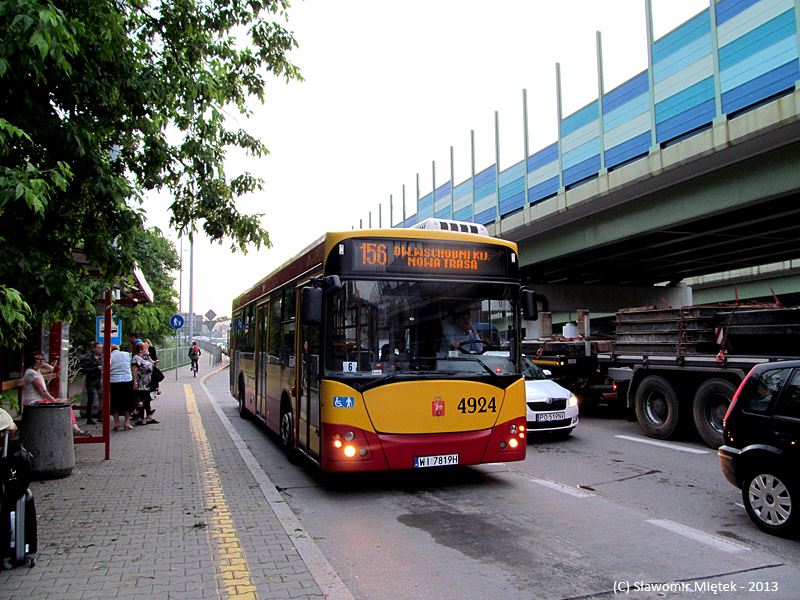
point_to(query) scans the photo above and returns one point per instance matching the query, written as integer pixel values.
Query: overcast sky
(389, 87)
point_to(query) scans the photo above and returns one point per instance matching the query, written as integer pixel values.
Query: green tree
(112, 98)
(157, 258)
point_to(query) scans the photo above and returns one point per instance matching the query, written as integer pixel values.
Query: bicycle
(193, 367)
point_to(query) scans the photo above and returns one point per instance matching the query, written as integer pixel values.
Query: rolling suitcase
(18, 542)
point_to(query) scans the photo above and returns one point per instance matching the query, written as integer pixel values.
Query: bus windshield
(381, 327)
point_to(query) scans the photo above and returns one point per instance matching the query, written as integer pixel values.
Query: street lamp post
(180, 309)
(191, 289)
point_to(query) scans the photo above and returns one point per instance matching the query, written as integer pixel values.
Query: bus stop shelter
(132, 292)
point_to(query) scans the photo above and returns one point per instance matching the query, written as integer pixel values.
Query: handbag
(157, 376)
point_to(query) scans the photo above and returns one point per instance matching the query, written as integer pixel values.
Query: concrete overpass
(679, 185)
(724, 201)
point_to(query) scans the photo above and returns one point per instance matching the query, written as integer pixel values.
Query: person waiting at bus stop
(92, 368)
(121, 378)
(142, 371)
(158, 376)
(34, 389)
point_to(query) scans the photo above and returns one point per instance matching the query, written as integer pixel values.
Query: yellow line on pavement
(230, 563)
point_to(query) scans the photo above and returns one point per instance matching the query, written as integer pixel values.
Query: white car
(550, 406)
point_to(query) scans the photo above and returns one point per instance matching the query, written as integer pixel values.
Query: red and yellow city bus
(345, 351)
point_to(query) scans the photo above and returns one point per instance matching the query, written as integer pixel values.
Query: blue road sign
(176, 321)
(116, 330)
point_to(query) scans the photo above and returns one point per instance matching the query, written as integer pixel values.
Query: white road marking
(562, 488)
(662, 444)
(704, 538)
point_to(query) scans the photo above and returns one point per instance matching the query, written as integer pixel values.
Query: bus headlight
(513, 442)
(346, 443)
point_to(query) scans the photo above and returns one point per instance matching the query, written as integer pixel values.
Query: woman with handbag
(142, 371)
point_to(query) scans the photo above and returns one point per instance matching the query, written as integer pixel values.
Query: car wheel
(711, 402)
(771, 501)
(657, 407)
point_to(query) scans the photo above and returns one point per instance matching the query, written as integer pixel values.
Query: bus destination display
(416, 256)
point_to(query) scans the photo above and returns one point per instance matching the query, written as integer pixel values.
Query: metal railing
(166, 356)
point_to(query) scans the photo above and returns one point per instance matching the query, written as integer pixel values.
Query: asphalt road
(601, 513)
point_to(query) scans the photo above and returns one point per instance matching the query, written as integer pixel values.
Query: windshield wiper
(487, 368)
(363, 387)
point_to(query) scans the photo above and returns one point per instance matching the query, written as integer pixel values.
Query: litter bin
(46, 433)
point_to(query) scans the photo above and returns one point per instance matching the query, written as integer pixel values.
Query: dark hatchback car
(761, 437)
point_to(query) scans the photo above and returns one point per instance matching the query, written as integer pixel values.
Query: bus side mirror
(529, 310)
(332, 284)
(311, 306)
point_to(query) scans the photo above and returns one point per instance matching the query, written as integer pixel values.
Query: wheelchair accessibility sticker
(344, 402)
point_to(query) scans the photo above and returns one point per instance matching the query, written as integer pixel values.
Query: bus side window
(287, 328)
(274, 340)
(337, 331)
(247, 337)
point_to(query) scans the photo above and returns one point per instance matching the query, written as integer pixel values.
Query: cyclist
(194, 355)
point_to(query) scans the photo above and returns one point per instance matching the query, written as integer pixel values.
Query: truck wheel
(657, 407)
(711, 402)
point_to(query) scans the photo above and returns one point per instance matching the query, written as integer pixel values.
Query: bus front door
(308, 432)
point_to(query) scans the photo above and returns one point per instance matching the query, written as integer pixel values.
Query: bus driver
(458, 331)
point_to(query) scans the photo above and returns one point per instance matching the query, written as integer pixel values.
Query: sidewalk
(181, 511)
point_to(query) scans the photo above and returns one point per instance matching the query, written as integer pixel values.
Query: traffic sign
(116, 328)
(210, 315)
(176, 321)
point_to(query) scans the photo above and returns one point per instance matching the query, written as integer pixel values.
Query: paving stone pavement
(178, 512)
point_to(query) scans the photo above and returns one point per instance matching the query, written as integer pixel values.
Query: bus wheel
(287, 435)
(657, 407)
(287, 430)
(243, 412)
(711, 402)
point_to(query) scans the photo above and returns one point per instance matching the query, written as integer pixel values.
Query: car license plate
(558, 416)
(435, 461)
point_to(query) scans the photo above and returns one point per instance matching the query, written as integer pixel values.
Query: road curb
(319, 567)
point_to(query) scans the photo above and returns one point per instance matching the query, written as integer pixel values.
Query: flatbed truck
(679, 368)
